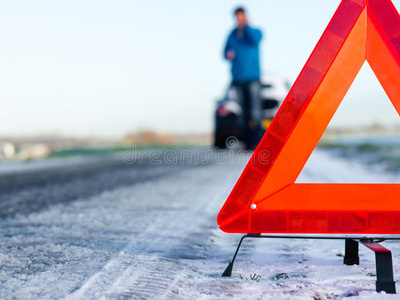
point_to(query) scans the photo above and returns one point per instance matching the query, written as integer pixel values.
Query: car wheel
(219, 141)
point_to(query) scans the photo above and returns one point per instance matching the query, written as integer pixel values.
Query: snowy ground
(158, 239)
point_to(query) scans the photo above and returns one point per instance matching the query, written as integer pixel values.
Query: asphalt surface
(130, 231)
(109, 228)
(34, 187)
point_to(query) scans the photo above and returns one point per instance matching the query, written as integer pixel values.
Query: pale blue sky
(86, 67)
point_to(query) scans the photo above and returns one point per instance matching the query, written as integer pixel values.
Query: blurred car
(229, 113)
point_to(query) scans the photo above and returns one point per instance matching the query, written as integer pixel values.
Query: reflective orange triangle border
(266, 199)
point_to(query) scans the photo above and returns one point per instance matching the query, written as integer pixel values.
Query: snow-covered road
(159, 240)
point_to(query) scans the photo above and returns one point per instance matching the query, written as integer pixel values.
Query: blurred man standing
(242, 50)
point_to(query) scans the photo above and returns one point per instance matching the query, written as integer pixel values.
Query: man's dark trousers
(249, 94)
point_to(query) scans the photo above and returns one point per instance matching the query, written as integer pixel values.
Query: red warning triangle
(266, 199)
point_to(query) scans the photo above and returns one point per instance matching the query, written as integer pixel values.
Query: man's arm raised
(253, 35)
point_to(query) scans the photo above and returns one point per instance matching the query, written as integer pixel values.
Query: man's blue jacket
(246, 63)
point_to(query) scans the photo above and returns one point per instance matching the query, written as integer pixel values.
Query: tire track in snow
(155, 279)
(152, 273)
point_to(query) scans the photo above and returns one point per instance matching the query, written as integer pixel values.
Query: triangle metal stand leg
(384, 267)
(383, 259)
(229, 268)
(351, 253)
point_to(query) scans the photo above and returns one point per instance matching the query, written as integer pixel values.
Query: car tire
(220, 142)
